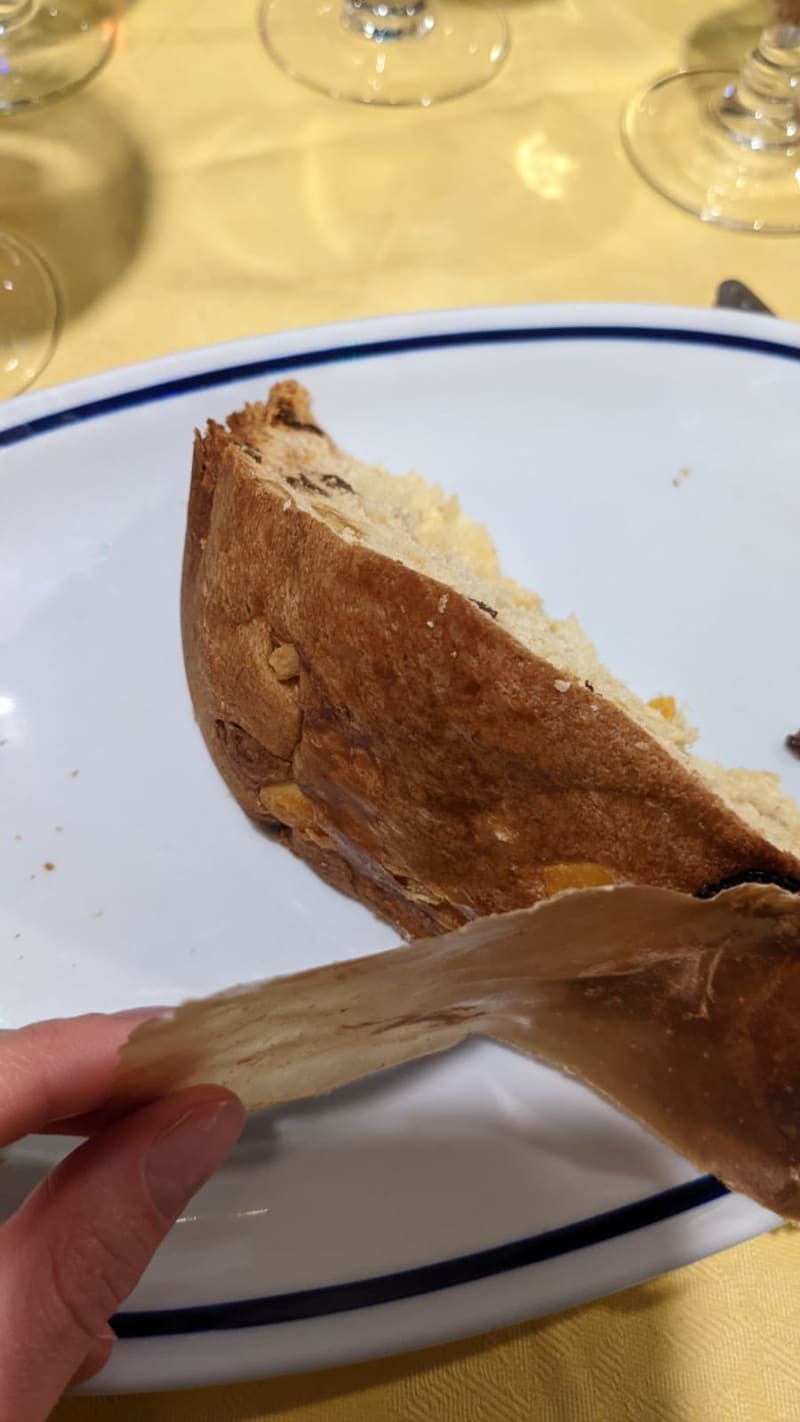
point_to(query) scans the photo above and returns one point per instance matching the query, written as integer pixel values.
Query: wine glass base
(675, 138)
(462, 50)
(53, 52)
(28, 315)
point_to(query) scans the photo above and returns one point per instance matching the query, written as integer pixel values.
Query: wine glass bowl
(50, 48)
(416, 53)
(28, 315)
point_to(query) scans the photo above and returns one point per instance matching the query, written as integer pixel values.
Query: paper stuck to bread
(682, 1012)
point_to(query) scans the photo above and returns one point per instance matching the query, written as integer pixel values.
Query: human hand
(76, 1247)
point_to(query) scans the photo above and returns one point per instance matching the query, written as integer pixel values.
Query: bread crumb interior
(406, 518)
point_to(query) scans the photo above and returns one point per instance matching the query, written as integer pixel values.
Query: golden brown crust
(421, 760)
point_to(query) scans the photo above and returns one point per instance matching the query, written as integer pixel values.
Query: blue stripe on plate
(428, 1278)
(467, 1268)
(331, 355)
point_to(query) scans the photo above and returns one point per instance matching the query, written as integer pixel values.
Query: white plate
(637, 466)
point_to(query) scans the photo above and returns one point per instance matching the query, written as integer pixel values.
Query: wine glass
(417, 52)
(48, 48)
(28, 315)
(726, 146)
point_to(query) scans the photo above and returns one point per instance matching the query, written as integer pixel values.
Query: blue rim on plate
(428, 1278)
(365, 350)
(330, 1299)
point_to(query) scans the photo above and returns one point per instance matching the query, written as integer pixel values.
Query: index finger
(53, 1070)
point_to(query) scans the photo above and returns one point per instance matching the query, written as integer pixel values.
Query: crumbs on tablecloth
(793, 743)
(681, 475)
(73, 773)
(49, 866)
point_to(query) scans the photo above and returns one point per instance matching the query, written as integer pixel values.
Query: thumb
(78, 1245)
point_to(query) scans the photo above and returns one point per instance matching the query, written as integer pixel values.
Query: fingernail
(188, 1152)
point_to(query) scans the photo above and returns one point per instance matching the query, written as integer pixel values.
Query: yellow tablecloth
(194, 194)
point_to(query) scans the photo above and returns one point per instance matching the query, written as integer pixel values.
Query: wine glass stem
(16, 13)
(387, 21)
(762, 110)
